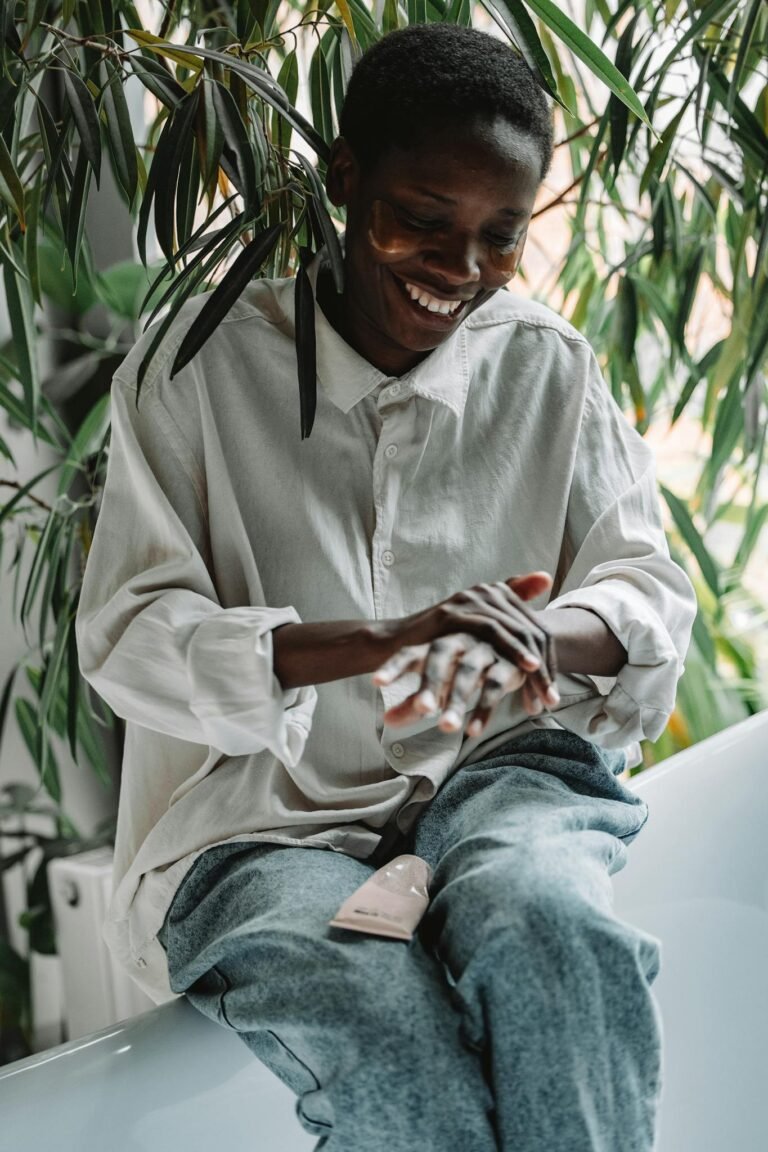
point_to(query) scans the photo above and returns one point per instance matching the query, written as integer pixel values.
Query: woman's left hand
(461, 664)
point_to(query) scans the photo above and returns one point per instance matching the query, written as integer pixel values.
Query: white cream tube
(391, 902)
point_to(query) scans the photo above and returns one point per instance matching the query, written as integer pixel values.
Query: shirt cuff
(635, 704)
(250, 712)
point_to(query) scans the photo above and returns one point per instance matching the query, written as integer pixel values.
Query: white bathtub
(697, 877)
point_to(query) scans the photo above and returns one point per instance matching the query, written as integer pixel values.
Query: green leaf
(211, 136)
(218, 243)
(31, 254)
(325, 224)
(11, 188)
(288, 79)
(269, 91)
(28, 721)
(176, 138)
(57, 280)
(515, 19)
(157, 80)
(236, 136)
(76, 210)
(755, 526)
(729, 425)
(161, 47)
(73, 690)
(745, 42)
(120, 131)
(304, 318)
(593, 57)
(87, 440)
(186, 192)
(86, 118)
(626, 318)
(226, 293)
(660, 151)
(320, 95)
(688, 531)
(20, 306)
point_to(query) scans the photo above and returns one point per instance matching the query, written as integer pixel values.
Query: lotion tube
(391, 902)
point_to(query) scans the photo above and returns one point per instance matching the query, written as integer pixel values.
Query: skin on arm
(321, 652)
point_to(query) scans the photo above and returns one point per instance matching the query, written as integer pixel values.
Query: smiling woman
(324, 645)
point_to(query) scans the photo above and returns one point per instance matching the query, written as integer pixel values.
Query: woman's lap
(502, 991)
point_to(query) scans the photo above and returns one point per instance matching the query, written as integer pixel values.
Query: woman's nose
(458, 259)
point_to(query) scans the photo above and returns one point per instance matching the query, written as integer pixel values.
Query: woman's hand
(483, 638)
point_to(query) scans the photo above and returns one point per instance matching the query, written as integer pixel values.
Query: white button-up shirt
(500, 453)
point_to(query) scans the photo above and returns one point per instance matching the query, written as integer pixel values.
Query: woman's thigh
(362, 1028)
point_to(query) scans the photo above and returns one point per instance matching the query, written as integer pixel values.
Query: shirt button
(394, 390)
(390, 450)
(388, 558)
(398, 750)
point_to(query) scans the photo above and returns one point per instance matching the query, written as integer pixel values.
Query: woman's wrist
(583, 642)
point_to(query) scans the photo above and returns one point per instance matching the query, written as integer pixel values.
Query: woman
(322, 645)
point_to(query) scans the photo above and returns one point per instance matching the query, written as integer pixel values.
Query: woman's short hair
(427, 73)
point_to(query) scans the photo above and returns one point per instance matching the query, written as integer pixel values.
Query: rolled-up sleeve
(622, 571)
(153, 639)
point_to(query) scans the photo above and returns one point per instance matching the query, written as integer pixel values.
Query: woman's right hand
(483, 637)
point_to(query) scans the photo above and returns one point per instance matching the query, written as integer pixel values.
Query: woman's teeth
(431, 303)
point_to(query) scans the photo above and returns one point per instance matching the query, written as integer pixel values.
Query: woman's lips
(438, 320)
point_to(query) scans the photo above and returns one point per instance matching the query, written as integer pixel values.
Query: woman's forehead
(484, 147)
(447, 170)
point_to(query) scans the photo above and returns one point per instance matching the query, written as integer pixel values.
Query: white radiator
(96, 990)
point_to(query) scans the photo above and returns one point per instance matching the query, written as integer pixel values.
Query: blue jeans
(519, 1017)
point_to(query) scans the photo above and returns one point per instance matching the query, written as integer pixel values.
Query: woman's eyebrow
(448, 200)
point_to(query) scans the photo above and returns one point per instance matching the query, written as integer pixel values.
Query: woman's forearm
(331, 650)
(583, 642)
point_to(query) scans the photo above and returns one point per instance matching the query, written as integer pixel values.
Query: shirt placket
(396, 410)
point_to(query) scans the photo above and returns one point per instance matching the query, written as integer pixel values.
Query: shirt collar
(347, 377)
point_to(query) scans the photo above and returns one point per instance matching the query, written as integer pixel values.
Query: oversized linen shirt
(500, 453)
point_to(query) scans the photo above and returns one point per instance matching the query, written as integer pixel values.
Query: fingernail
(451, 718)
(553, 696)
(428, 700)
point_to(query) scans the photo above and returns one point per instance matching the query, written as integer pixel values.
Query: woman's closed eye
(412, 221)
(505, 243)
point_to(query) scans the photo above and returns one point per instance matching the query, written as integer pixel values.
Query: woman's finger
(439, 670)
(408, 657)
(468, 676)
(499, 680)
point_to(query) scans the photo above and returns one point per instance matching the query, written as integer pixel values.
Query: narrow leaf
(236, 135)
(86, 118)
(330, 236)
(517, 21)
(226, 293)
(11, 188)
(120, 131)
(262, 83)
(304, 318)
(593, 57)
(692, 538)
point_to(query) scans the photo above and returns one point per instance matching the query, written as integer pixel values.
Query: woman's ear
(342, 173)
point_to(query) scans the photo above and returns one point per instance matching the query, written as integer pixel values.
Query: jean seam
(297, 1059)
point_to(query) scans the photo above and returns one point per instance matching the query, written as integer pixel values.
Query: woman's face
(445, 221)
